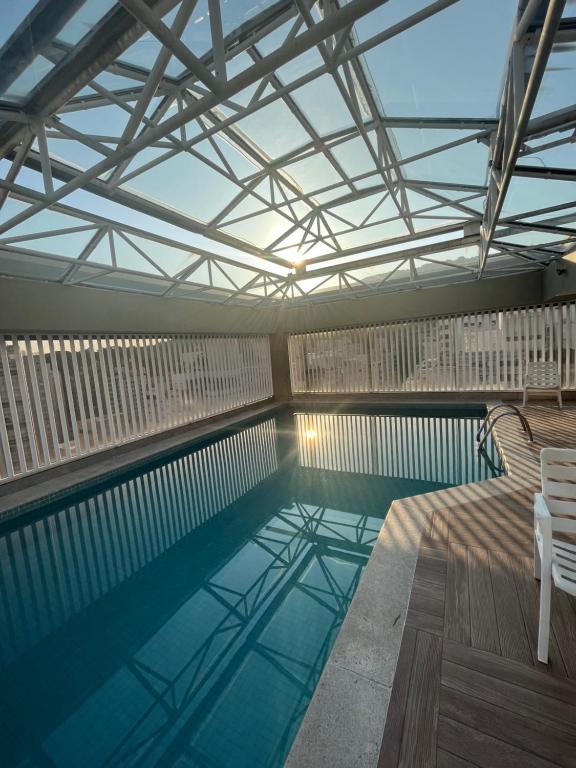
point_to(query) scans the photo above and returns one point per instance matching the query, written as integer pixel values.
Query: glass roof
(264, 151)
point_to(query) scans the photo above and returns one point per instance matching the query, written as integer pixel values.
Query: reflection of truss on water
(186, 670)
(346, 530)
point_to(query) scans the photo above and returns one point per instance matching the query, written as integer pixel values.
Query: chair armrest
(543, 522)
(541, 510)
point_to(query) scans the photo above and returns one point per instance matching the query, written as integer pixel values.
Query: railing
(506, 409)
(468, 352)
(67, 396)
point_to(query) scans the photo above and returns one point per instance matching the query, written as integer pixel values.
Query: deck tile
(484, 751)
(418, 749)
(527, 734)
(457, 613)
(483, 625)
(469, 690)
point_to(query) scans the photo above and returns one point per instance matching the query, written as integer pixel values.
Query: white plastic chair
(554, 512)
(542, 375)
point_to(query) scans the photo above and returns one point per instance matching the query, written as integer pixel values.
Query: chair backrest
(559, 480)
(542, 374)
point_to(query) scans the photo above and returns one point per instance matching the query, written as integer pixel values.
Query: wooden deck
(550, 426)
(468, 688)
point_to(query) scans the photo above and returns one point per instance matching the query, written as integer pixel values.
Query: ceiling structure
(267, 151)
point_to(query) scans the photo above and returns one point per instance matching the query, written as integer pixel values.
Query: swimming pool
(182, 615)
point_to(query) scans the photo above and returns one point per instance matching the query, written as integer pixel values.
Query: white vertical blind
(66, 396)
(481, 351)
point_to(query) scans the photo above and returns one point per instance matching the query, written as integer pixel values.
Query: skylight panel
(144, 51)
(313, 173)
(368, 208)
(533, 238)
(196, 33)
(323, 105)
(73, 152)
(377, 272)
(301, 66)
(34, 73)
(354, 157)
(275, 129)
(13, 14)
(370, 235)
(449, 65)
(261, 228)
(128, 282)
(528, 194)
(101, 253)
(68, 244)
(559, 81)
(415, 141)
(424, 224)
(466, 164)
(562, 156)
(186, 184)
(129, 255)
(235, 14)
(85, 18)
(29, 266)
(111, 118)
(43, 221)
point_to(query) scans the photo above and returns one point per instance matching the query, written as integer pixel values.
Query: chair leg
(544, 626)
(560, 399)
(525, 397)
(537, 561)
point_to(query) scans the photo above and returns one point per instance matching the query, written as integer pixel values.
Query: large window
(66, 396)
(482, 351)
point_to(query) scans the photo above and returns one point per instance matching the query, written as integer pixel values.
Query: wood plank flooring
(468, 689)
(550, 426)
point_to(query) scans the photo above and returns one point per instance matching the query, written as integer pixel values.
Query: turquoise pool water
(182, 615)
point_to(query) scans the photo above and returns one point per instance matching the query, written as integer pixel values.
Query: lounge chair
(542, 376)
(554, 513)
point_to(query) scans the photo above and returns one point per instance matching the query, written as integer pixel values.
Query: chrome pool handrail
(491, 411)
(488, 425)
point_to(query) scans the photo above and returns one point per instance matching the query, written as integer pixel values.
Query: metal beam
(408, 253)
(304, 42)
(542, 172)
(101, 46)
(518, 102)
(16, 165)
(36, 31)
(142, 13)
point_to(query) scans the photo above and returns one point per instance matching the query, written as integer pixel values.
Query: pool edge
(45, 488)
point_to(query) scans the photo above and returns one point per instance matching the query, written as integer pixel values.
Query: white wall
(29, 305)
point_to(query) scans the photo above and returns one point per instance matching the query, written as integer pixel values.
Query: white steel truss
(201, 149)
